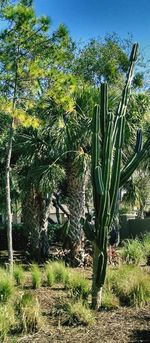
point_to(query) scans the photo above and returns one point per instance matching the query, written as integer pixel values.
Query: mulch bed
(122, 325)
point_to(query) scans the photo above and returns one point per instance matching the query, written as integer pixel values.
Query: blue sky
(93, 18)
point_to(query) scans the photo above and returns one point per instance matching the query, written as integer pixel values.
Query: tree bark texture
(76, 184)
(35, 218)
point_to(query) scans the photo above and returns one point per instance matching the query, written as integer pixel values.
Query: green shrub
(36, 276)
(133, 252)
(130, 284)
(6, 285)
(7, 320)
(29, 313)
(18, 274)
(50, 278)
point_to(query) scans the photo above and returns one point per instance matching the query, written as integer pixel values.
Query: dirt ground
(122, 325)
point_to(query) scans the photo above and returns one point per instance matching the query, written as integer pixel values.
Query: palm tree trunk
(35, 219)
(76, 205)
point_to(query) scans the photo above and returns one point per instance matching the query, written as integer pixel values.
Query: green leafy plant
(36, 276)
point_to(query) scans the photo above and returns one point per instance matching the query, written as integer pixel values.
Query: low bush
(18, 274)
(36, 276)
(29, 314)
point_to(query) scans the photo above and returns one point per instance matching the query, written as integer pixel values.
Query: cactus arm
(125, 93)
(133, 164)
(95, 154)
(104, 109)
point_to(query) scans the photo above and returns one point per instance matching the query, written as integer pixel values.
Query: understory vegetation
(21, 311)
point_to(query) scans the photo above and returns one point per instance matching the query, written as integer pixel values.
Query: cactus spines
(107, 177)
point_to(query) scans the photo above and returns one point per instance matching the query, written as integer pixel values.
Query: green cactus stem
(107, 176)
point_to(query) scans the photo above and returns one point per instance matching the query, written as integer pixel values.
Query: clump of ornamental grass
(79, 314)
(29, 313)
(78, 285)
(59, 272)
(74, 314)
(19, 275)
(6, 285)
(109, 300)
(7, 320)
(130, 284)
(36, 276)
(133, 252)
(50, 278)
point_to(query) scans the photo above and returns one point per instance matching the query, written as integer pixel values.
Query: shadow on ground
(140, 336)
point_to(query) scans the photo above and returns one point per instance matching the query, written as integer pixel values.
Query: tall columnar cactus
(107, 175)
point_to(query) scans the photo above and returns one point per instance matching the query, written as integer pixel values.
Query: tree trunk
(35, 219)
(76, 205)
(99, 272)
(44, 242)
(8, 198)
